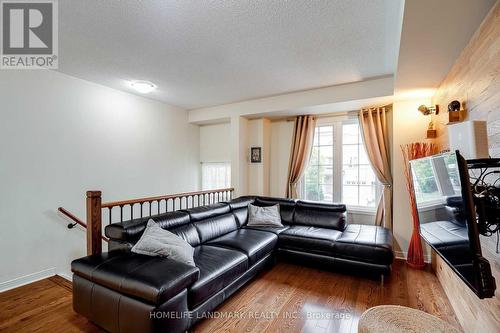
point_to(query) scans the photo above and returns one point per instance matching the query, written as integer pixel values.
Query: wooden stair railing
(149, 206)
(76, 221)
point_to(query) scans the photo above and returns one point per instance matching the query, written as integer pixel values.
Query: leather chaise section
(320, 215)
(309, 239)
(151, 279)
(218, 268)
(255, 244)
(116, 312)
(337, 264)
(365, 243)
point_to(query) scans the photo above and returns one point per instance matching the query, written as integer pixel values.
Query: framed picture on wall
(256, 155)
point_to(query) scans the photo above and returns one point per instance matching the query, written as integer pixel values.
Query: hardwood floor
(43, 306)
(287, 298)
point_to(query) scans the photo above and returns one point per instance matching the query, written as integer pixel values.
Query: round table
(401, 319)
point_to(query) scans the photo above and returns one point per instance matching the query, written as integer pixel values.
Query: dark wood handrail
(163, 197)
(95, 209)
(76, 221)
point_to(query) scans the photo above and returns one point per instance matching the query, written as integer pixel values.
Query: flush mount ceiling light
(144, 87)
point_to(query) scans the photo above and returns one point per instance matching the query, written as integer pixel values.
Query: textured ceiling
(204, 53)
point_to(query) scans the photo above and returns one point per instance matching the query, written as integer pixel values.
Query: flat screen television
(447, 217)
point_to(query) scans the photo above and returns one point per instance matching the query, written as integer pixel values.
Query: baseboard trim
(403, 255)
(27, 279)
(65, 276)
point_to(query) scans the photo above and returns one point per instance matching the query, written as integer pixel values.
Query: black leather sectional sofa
(126, 292)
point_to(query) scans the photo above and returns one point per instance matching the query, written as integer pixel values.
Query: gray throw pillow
(264, 216)
(156, 241)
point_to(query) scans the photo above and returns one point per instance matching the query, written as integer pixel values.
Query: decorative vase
(415, 257)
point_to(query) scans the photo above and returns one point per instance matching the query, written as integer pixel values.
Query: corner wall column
(239, 155)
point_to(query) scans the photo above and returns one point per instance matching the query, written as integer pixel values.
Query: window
(359, 185)
(339, 169)
(319, 173)
(215, 175)
(436, 178)
(426, 187)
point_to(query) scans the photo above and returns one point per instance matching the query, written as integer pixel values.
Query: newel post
(94, 227)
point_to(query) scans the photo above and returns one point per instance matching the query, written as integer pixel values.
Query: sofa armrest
(151, 279)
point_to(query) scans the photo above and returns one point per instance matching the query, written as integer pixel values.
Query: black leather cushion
(241, 215)
(367, 243)
(189, 233)
(241, 202)
(114, 245)
(320, 214)
(309, 239)
(239, 207)
(287, 207)
(171, 219)
(132, 230)
(152, 279)
(255, 244)
(211, 228)
(274, 230)
(218, 268)
(205, 212)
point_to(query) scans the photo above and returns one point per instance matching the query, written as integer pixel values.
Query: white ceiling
(205, 53)
(433, 35)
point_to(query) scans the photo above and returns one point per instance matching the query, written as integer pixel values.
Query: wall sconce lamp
(428, 110)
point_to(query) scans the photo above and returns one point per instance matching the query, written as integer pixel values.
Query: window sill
(361, 210)
(431, 205)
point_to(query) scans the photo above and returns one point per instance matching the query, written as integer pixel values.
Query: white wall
(215, 143)
(239, 155)
(259, 133)
(61, 136)
(409, 126)
(281, 142)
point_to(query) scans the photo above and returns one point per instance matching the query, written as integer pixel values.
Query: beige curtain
(303, 136)
(373, 122)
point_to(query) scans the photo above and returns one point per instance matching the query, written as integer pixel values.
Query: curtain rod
(338, 114)
(325, 115)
